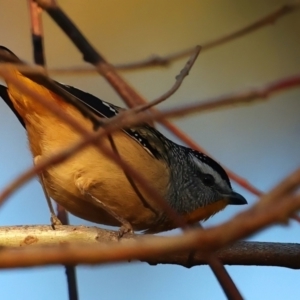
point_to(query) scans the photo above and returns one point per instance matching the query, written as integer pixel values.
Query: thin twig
(101, 62)
(8, 74)
(230, 290)
(163, 61)
(128, 94)
(224, 279)
(179, 79)
(90, 55)
(132, 98)
(69, 270)
(129, 178)
(36, 33)
(243, 97)
(38, 75)
(39, 59)
(126, 119)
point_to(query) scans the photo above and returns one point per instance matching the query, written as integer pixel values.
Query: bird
(95, 188)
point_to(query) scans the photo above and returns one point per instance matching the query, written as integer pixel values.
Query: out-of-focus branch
(179, 79)
(105, 69)
(90, 54)
(124, 119)
(163, 61)
(243, 97)
(142, 117)
(7, 73)
(39, 59)
(275, 207)
(36, 33)
(127, 93)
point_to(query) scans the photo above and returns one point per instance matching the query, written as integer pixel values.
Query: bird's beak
(235, 199)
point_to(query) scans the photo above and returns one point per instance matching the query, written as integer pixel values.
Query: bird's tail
(18, 100)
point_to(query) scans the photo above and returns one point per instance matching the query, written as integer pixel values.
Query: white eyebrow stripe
(206, 169)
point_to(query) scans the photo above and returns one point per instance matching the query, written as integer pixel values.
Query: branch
(163, 61)
(36, 33)
(241, 254)
(106, 69)
(39, 58)
(275, 207)
(129, 118)
(90, 54)
(7, 72)
(179, 79)
(69, 238)
(243, 97)
(127, 93)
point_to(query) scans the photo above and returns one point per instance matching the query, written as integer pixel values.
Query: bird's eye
(208, 180)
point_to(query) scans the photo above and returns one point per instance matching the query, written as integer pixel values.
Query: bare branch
(36, 32)
(243, 97)
(241, 253)
(130, 97)
(7, 73)
(127, 119)
(163, 61)
(126, 92)
(179, 79)
(39, 59)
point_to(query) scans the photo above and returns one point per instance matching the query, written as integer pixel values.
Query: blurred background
(259, 141)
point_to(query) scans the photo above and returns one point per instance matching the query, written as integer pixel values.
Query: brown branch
(127, 93)
(36, 33)
(142, 117)
(241, 254)
(70, 271)
(90, 55)
(122, 120)
(7, 73)
(243, 97)
(275, 207)
(230, 289)
(33, 240)
(163, 61)
(39, 59)
(102, 63)
(134, 99)
(179, 79)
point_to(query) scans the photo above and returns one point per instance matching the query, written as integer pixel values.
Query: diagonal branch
(129, 118)
(127, 93)
(163, 61)
(179, 79)
(275, 87)
(8, 74)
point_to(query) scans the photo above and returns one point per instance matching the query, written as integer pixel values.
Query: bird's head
(202, 187)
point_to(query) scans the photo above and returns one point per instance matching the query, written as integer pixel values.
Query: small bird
(95, 188)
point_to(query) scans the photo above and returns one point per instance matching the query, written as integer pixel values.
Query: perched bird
(92, 187)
